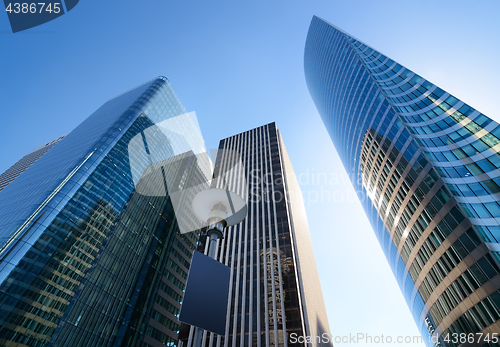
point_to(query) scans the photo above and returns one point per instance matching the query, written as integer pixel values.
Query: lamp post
(220, 208)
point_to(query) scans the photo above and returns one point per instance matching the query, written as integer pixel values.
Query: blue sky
(239, 64)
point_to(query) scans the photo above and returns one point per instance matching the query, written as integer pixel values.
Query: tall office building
(25, 162)
(426, 166)
(275, 295)
(90, 253)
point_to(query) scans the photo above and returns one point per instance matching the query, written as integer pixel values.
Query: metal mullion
(231, 183)
(264, 250)
(277, 241)
(231, 275)
(221, 182)
(251, 144)
(245, 252)
(271, 256)
(236, 297)
(256, 210)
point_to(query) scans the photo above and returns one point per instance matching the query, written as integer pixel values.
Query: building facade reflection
(426, 167)
(87, 259)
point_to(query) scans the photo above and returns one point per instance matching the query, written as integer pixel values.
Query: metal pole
(213, 243)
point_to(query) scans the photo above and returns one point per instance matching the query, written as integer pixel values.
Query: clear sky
(239, 64)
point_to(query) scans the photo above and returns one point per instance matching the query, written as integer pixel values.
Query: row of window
(450, 221)
(473, 278)
(476, 189)
(473, 169)
(421, 224)
(179, 257)
(431, 209)
(183, 248)
(363, 50)
(391, 87)
(395, 178)
(167, 305)
(177, 268)
(160, 318)
(484, 210)
(430, 245)
(356, 98)
(373, 63)
(443, 266)
(176, 281)
(490, 233)
(24, 338)
(440, 125)
(159, 336)
(476, 319)
(170, 292)
(430, 100)
(486, 141)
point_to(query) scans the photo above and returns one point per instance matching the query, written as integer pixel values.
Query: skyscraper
(275, 297)
(89, 254)
(426, 167)
(25, 162)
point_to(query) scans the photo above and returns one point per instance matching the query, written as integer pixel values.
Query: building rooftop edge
(260, 126)
(161, 77)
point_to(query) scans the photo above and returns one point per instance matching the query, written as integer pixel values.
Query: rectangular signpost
(205, 298)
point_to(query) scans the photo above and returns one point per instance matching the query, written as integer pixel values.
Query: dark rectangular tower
(275, 297)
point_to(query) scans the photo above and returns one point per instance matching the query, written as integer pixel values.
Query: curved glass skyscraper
(426, 166)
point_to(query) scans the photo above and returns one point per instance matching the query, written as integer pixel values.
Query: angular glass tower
(426, 167)
(275, 295)
(25, 162)
(85, 258)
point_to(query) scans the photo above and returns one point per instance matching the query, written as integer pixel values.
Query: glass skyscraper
(426, 167)
(87, 259)
(275, 296)
(25, 162)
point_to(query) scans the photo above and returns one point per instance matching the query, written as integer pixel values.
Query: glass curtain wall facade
(25, 162)
(426, 167)
(274, 284)
(86, 260)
